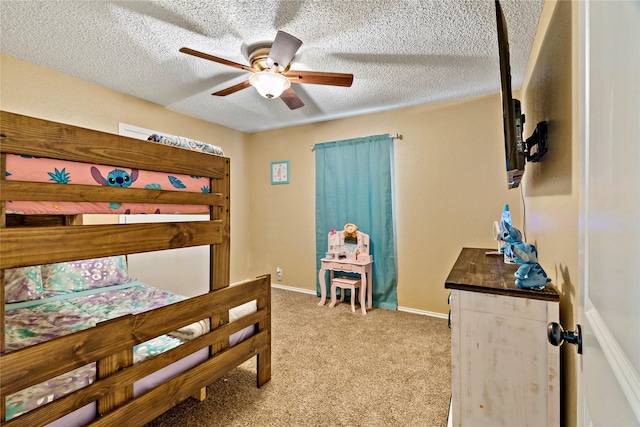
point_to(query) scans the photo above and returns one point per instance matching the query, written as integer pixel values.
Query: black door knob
(557, 335)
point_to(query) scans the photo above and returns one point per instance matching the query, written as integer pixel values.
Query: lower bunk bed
(83, 343)
(56, 300)
(45, 323)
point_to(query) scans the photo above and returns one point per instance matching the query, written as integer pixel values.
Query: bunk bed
(121, 392)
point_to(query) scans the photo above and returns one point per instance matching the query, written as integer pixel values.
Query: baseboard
(423, 312)
(293, 289)
(406, 309)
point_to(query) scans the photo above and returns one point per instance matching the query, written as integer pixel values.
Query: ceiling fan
(271, 73)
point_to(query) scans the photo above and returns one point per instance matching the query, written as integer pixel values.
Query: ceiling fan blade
(216, 59)
(291, 99)
(319, 78)
(232, 89)
(283, 50)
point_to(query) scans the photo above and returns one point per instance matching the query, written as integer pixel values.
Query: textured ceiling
(401, 52)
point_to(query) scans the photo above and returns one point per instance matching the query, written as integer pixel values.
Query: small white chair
(352, 284)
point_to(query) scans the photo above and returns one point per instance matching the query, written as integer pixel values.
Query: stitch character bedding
(39, 169)
(34, 169)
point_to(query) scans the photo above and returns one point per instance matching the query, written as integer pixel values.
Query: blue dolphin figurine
(530, 275)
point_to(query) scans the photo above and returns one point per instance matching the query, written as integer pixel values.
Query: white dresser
(504, 372)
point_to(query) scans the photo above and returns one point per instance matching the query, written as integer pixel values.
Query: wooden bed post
(3, 224)
(219, 265)
(221, 253)
(2, 399)
(108, 366)
(264, 356)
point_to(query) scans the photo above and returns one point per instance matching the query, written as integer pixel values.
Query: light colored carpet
(331, 367)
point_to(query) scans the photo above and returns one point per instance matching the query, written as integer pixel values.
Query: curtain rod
(391, 135)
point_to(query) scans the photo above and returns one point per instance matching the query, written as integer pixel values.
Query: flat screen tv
(517, 150)
(513, 117)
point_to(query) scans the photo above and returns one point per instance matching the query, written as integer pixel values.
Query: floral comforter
(48, 318)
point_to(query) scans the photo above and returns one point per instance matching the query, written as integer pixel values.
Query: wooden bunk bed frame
(35, 241)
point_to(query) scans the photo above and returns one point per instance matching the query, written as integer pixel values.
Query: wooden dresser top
(477, 272)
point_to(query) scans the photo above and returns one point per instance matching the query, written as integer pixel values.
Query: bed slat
(46, 192)
(14, 220)
(47, 245)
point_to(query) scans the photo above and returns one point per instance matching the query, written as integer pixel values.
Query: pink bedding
(35, 169)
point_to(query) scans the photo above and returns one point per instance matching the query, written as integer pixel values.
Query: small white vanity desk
(350, 266)
(348, 251)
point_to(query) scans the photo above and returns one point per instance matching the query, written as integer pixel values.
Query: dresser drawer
(337, 266)
(343, 267)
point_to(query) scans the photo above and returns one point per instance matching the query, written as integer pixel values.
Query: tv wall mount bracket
(537, 144)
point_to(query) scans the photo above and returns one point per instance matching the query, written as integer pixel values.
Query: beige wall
(35, 91)
(551, 186)
(450, 186)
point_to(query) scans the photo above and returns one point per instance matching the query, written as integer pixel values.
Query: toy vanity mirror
(350, 239)
(349, 243)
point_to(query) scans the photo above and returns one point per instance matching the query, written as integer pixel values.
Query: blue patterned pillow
(22, 284)
(85, 274)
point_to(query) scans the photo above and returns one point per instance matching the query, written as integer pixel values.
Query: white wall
(184, 271)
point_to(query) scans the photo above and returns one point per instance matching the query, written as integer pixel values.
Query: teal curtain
(354, 183)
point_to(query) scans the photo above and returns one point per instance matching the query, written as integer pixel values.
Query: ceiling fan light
(269, 84)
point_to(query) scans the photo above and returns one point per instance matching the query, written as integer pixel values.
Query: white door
(609, 381)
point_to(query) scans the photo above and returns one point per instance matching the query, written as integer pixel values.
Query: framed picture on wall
(280, 172)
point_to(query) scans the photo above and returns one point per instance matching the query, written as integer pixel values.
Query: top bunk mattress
(39, 169)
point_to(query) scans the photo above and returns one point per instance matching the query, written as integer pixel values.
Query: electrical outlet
(278, 273)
